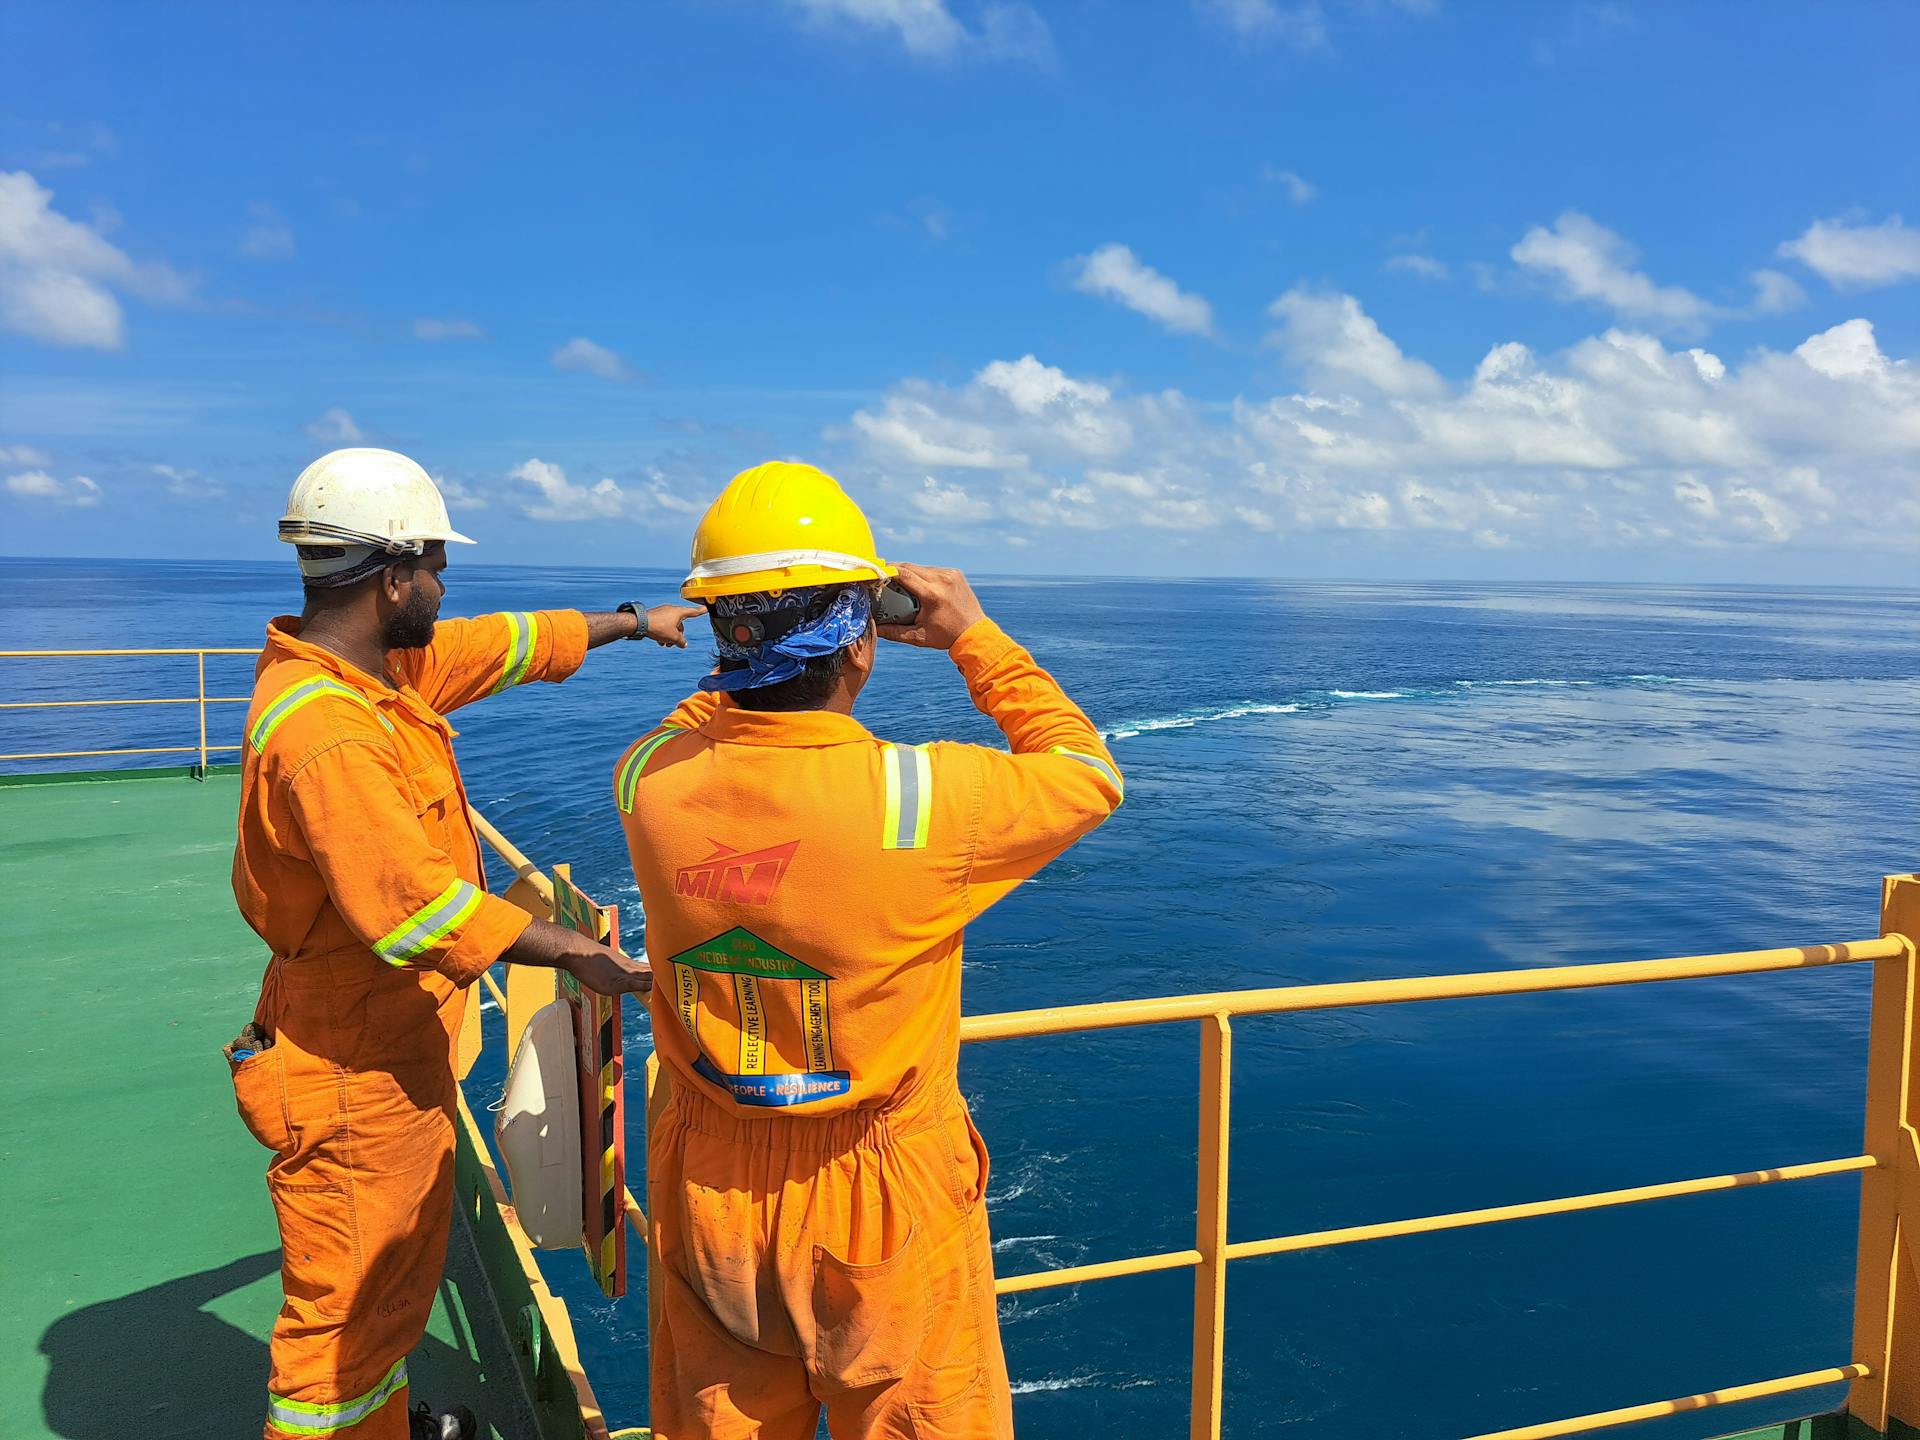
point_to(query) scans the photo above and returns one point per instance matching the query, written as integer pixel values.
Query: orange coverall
(359, 867)
(815, 1183)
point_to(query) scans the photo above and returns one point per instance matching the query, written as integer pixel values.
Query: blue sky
(1351, 288)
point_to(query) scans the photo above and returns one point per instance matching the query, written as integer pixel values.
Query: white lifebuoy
(538, 1130)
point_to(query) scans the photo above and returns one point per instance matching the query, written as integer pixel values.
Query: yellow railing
(1877, 1338)
(200, 701)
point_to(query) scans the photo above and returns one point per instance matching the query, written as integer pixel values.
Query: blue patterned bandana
(831, 624)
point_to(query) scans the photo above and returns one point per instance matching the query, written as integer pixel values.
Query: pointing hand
(667, 624)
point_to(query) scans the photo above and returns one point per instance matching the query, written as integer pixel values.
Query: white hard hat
(352, 504)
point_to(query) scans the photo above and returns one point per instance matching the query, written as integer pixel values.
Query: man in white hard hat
(358, 864)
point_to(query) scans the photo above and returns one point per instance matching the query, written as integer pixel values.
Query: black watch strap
(627, 607)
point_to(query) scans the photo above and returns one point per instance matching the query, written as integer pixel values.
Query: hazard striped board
(603, 1117)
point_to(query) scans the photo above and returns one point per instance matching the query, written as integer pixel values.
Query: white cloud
(1774, 293)
(1425, 266)
(1115, 273)
(1337, 345)
(1587, 261)
(1619, 441)
(58, 276)
(25, 455)
(335, 427)
(185, 484)
(79, 492)
(1300, 192)
(585, 357)
(428, 328)
(1858, 257)
(1301, 25)
(268, 235)
(928, 30)
(558, 498)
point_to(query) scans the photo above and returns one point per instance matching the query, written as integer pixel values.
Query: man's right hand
(948, 607)
(610, 972)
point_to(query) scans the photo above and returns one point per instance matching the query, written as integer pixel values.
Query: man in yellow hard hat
(358, 865)
(815, 1182)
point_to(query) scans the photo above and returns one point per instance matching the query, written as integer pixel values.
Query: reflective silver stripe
(295, 696)
(629, 782)
(523, 631)
(1097, 763)
(909, 773)
(781, 560)
(429, 924)
(302, 1417)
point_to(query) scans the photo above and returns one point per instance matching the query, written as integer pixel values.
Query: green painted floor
(138, 1257)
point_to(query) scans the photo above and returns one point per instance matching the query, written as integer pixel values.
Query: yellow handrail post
(202, 658)
(1210, 1225)
(1886, 1314)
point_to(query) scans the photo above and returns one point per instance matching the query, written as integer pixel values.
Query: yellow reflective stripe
(753, 1026)
(297, 696)
(523, 634)
(628, 783)
(909, 774)
(303, 1417)
(428, 925)
(1097, 763)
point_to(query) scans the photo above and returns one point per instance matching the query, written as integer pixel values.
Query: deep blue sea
(1325, 782)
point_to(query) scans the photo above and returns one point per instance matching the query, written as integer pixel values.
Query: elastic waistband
(934, 1103)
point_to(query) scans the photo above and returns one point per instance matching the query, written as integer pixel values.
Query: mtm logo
(744, 878)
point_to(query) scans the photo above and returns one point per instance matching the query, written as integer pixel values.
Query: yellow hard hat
(779, 526)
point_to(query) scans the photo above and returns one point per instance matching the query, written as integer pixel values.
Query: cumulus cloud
(1300, 192)
(59, 277)
(557, 498)
(79, 491)
(335, 426)
(1337, 345)
(928, 30)
(1620, 441)
(1425, 266)
(584, 357)
(1858, 256)
(428, 328)
(1113, 272)
(1586, 261)
(268, 235)
(186, 484)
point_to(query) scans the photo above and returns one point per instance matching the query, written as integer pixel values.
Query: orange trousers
(837, 1261)
(362, 1185)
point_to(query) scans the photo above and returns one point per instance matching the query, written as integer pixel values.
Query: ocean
(1325, 782)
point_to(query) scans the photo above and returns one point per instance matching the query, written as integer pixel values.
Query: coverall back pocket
(260, 1091)
(869, 1320)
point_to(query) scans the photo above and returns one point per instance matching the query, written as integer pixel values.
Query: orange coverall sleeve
(471, 659)
(396, 890)
(1059, 782)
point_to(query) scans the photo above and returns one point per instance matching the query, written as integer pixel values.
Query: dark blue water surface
(1325, 782)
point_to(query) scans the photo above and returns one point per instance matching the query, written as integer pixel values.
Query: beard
(412, 626)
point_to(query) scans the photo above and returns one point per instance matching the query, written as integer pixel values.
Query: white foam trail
(1131, 728)
(1007, 1242)
(1367, 694)
(1052, 1382)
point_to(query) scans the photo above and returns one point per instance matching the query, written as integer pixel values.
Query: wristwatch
(627, 607)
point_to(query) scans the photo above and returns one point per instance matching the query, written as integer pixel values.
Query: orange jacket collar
(284, 643)
(734, 725)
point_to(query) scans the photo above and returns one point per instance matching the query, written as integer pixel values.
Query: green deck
(138, 1255)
